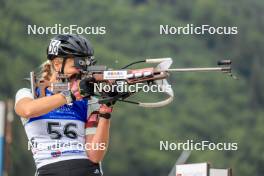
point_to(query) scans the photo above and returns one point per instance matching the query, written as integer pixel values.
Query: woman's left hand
(82, 88)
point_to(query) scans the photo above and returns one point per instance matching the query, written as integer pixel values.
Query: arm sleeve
(23, 93)
(92, 117)
(91, 124)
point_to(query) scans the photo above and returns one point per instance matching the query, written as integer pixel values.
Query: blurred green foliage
(207, 106)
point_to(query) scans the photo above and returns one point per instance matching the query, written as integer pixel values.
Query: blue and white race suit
(60, 134)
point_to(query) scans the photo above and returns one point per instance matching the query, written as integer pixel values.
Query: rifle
(152, 75)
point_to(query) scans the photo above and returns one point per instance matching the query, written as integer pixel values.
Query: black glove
(108, 98)
(86, 87)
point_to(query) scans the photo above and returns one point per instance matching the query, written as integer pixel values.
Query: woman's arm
(28, 107)
(100, 138)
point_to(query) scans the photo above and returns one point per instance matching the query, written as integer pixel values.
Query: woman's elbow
(95, 156)
(24, 112)
(24, 108)
(27, 113)
(95, 159)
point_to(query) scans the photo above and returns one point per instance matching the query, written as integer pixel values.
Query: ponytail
(46, 70)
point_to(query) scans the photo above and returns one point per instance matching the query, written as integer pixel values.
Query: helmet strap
(62, 67)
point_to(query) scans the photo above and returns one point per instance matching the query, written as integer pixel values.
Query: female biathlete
(68, 135)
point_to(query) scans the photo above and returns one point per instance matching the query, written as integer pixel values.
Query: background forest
(206, 107)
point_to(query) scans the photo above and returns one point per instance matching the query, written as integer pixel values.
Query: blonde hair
(47, 69)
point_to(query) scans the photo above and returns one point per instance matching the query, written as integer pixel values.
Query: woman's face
(69, 68)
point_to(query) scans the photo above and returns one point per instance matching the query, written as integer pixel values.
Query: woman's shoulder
(23, 93)
(24, 89)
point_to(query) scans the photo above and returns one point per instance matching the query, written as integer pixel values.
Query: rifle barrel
(203, 69)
